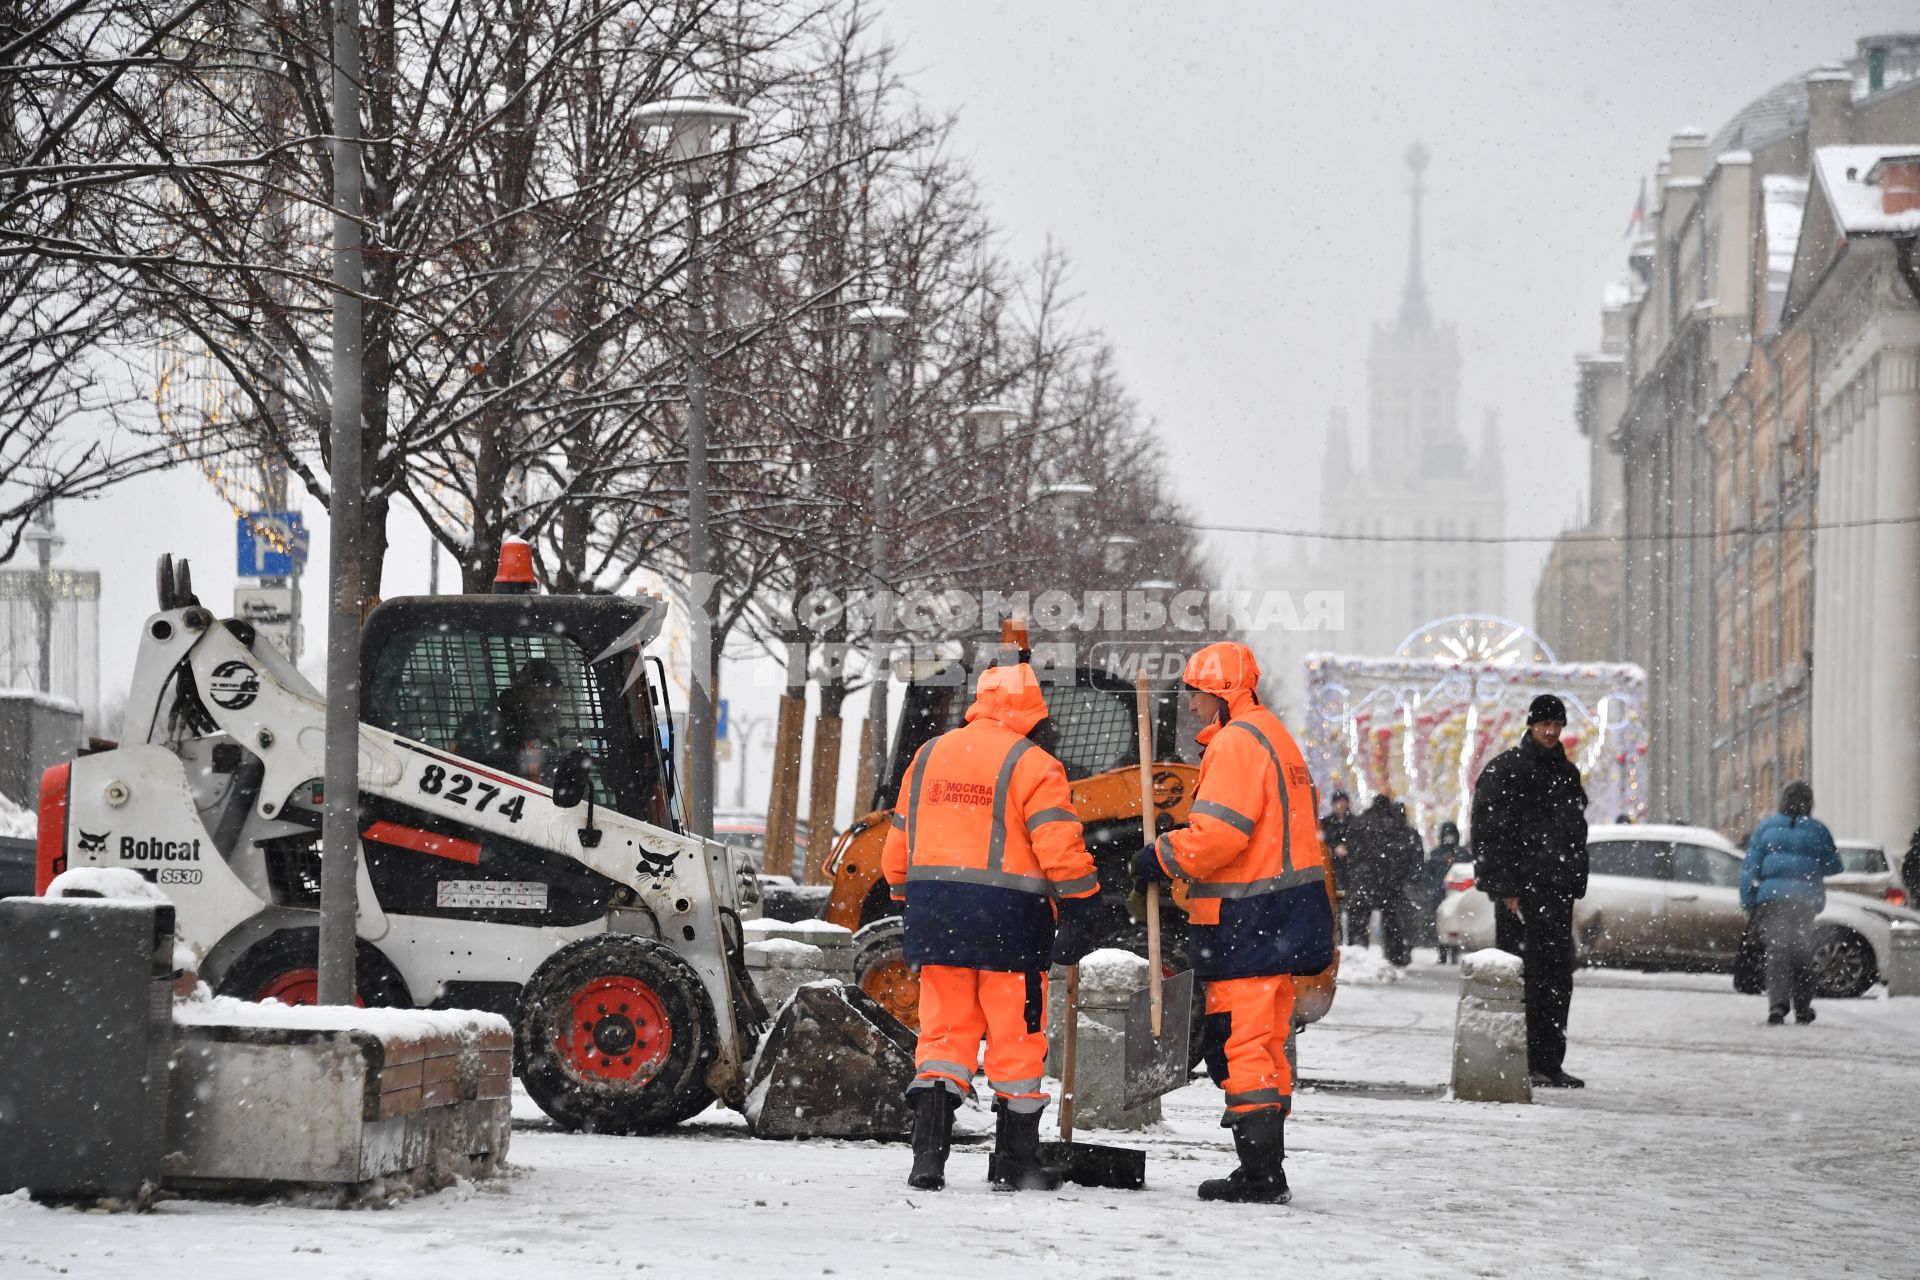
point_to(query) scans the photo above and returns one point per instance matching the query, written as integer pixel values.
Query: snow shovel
(1083, 1162)
(1159, 1018)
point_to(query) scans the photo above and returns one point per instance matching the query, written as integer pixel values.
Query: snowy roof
(1783, 202)
(1851, 177)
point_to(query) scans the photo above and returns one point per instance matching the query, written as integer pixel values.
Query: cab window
(513, 702)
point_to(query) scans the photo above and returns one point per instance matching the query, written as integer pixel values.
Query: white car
(1668, 897)
(1867, 873)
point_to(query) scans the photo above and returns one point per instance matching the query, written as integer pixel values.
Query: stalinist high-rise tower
(1419, 481)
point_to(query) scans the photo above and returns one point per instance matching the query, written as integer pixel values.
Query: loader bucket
(835, 1065)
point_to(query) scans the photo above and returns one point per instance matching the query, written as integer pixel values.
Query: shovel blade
(1158, 1064)
(1087, 1164)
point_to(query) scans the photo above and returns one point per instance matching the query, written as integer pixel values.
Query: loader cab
(525, 684)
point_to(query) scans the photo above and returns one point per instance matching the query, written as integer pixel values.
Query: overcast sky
(1229, 181)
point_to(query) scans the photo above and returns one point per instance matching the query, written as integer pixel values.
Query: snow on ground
(1706, 1145)
(17, 823)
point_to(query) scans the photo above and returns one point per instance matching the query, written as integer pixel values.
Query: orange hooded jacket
(1249, 866)
(985, 837)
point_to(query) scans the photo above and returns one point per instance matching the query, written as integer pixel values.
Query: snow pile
(1493, 965)
(401, 1024)
(784, 953)
(120, 883)
(17, 823)
(1364, 967)
(1112, 967)
(784, 927)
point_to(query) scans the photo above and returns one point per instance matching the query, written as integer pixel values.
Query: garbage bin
(84, 1045)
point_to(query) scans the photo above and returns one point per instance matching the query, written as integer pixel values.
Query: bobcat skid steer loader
(520, 849)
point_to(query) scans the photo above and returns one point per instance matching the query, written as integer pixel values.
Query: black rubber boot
(1015, 1162)
(1260, 1140)
(932, 1137)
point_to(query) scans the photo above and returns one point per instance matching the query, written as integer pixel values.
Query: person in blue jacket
(1782, 886)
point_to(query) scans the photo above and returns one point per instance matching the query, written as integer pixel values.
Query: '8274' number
(457, 786)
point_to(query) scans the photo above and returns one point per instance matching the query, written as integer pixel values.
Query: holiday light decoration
(1422, 724)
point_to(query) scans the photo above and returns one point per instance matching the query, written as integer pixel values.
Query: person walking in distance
(1334, 831)
(985, 849)
(1530, 857)
(1249, 869)
(1432, 888)
(1782, 886)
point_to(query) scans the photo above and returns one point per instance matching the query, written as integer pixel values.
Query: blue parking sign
(720, 723)
(271, 544)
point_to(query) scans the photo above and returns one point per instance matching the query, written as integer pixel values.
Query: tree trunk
(823, 788)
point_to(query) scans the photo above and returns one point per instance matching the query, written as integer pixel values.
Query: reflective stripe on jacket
(1250, 866)
(985, 837)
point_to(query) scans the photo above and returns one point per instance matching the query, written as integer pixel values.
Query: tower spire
(1413, 299)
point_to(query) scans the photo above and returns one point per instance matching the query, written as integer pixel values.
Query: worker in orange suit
(986, 852)
(1250, 870)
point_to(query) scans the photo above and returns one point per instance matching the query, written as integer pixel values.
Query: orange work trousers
(960, 1007)
(1248, 1021)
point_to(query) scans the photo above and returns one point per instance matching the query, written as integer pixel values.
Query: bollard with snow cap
(1903, 960)
(1490, 1030)
(1108, 979)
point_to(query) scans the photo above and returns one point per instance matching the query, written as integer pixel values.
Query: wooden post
(783, 800)
(823, 791)
(863, 776)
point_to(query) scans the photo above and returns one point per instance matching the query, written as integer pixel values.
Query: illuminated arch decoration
(1422, 724)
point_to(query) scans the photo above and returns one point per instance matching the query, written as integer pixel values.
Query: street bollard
(1903, 960)
(1490, 1030)
(783, 956)
(1108, 979)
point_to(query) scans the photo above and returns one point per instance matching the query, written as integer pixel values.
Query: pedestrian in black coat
(1371, 840)
(1530, 857)
(1401, 857)
(1335, 831)
(1910, 870)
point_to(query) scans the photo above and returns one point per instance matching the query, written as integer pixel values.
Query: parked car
(745, 830)
(1868, 873)
(1668, 897)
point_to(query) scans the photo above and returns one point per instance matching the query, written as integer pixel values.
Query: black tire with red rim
(285, 966)
(614, 1035)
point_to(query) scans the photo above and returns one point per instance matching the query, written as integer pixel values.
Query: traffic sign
(270, 544)
(272, 613)
(720, 723)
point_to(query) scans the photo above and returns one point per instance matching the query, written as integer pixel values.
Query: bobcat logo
(91, 843)
(657, 865)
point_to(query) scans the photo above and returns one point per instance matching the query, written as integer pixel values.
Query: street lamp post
(990, 423)
(340, 818)
(692, 124)
(878, 321)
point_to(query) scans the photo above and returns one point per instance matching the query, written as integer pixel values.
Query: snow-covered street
(1706, 1144)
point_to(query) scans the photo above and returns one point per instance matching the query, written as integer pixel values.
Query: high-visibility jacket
(984, 837)
(1249, 866)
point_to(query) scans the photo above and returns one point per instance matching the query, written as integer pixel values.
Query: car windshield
(1863, 861)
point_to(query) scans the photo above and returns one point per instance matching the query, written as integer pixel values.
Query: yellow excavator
(1096, 739)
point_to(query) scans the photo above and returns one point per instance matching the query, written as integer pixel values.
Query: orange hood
(1011, 696)
(1227, 670)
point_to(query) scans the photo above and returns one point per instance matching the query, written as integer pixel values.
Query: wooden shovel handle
(1149, 831)
(1069, 1045)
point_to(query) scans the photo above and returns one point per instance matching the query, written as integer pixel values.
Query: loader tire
(880, 969)
(614, 1034)
(285, 966)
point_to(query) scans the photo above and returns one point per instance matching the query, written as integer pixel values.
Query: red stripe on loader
(428, 842)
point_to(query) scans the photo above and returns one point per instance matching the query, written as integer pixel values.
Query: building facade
(1769, 437)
